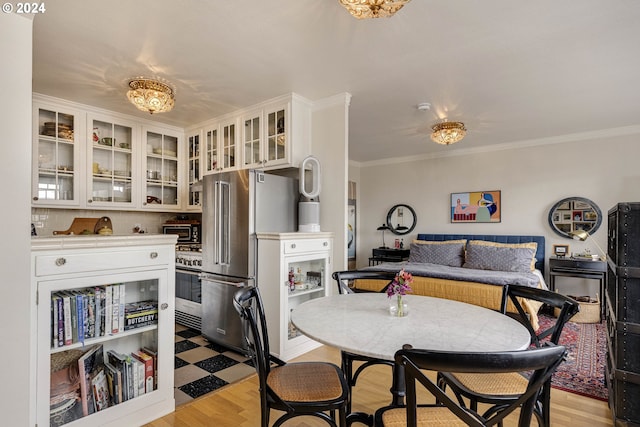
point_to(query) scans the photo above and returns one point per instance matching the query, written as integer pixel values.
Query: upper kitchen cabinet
(57, 160)
(221, 146)
(277, 134)
(112, 162)
(161, 166)
(273, 134)
(194, 161)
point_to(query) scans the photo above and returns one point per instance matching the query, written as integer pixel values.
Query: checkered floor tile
(202, 367)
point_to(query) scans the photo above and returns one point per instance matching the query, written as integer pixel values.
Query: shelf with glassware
(56, 154)
(111, 160)
(161, 166)
(109, 323)
(292, 268)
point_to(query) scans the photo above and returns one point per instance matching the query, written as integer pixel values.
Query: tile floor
(202, 367)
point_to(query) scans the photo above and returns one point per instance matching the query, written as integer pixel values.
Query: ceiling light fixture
(150, 95)
(447, 133)
(365, 9)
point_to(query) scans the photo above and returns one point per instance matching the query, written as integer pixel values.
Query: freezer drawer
(220, 321)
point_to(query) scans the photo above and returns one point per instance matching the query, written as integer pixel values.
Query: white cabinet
(305, 260)
(194, 162)
(98, 300)
(161, 166)
(84, 157)
(112, 147)
(57, 167)
(270, 135)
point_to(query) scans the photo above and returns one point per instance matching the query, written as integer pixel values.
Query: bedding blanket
(461, 274)
(478, 287)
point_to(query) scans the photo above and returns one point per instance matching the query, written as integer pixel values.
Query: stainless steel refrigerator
(237, 205)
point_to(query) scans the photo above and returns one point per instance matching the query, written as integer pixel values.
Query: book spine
(147, 361)
(99, 293)
(154, 356)
(73, 306)
(60, 320)
(115, 309)
(68, 335)
(108, 310)
(121, 307)
(54, 321)
(80, 316)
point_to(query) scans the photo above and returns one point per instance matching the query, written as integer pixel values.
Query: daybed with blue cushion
(471, 268)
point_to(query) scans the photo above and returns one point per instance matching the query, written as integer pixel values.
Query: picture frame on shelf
(560, 250)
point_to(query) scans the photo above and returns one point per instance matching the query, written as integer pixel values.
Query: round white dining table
(360, 323)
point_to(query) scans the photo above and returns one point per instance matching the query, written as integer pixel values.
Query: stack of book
(87, 313)
(110, 378)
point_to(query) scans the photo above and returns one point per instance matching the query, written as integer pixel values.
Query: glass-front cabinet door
(276, 150)
(111, 162)
(102, 339)
(212, 143)
(229, 146)
(193, 170)
(161, 169)
(252, 140)
(56, 155)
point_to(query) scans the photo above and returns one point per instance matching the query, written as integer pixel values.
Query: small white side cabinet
(104, 310)
(306, 257)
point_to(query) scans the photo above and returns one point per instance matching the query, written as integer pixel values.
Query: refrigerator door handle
(216, 224)
(224, 240)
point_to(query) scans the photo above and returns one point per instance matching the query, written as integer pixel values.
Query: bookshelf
(104, 309)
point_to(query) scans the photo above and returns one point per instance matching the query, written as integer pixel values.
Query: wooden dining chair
(448, 411)
(343, 280)
(305, 388)
(501, 389)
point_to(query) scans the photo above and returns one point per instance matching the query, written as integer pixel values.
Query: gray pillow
(499, 258)
(443, 253)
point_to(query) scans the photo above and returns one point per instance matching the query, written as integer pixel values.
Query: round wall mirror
(401, 219)
(575, 214)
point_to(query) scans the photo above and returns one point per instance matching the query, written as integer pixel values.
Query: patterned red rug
(583, 371)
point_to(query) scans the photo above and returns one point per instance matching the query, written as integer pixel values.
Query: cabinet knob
(164, 306)
(61, 261)
(90, 201)
(35, 198)
(293, 246)
(154, 255)
(325, 243)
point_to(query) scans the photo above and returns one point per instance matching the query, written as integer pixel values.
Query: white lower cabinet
(104, 331)
(305, 260)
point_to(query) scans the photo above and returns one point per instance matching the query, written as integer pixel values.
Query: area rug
(583, 371)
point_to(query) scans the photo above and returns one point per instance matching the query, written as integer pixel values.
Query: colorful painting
(476, 206)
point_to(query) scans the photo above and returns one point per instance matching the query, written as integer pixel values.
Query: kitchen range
(188, 285)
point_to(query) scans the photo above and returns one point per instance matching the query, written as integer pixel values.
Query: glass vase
(399, 308)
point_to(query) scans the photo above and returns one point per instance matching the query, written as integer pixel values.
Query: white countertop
(360, 323)
(100, 241)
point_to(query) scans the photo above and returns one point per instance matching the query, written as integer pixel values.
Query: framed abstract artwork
(476, 206)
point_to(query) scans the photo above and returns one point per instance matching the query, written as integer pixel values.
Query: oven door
(188, 299)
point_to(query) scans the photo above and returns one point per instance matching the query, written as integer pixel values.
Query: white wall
(15, 169)
(330, 118)
(531, 179)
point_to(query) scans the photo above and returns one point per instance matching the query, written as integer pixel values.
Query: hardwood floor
(238, 405)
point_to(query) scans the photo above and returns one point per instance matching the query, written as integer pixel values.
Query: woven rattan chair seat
(494, 384)
(305, 382)
(432, 416)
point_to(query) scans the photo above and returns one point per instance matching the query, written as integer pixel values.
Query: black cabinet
(379, 255)
(623, 313)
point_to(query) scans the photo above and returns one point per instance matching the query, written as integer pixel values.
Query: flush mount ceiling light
(150, 95)
(365, 9)
(447, 133)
